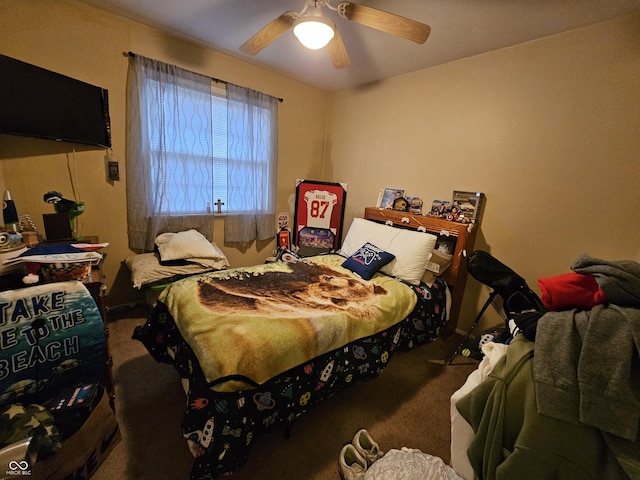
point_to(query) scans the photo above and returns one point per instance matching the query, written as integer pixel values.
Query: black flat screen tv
(35, 102)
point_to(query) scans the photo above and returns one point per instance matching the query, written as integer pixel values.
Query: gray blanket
(619, 280)
(586, 362)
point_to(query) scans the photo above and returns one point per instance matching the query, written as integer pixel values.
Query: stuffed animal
(62, 205)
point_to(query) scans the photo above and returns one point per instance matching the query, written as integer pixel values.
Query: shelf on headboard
(456, 274)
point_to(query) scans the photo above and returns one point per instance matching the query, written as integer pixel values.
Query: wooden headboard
(465, 234)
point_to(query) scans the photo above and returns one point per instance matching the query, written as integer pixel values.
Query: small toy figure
(401, 204)
(62, 205)
(415, 205)
(284, 238)
(440, 208)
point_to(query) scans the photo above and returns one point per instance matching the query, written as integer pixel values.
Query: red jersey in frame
(319, 216)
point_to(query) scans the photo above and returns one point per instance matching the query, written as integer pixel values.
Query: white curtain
(182, 141)
(252, 144)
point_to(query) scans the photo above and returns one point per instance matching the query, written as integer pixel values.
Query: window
(191, 146)
(192, 143)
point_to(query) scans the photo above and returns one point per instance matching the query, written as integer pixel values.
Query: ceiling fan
(316, 31)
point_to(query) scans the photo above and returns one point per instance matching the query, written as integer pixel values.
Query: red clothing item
(571, 290)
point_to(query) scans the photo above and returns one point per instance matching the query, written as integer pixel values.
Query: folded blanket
(619, 280)
(570, 290)
(147, 269)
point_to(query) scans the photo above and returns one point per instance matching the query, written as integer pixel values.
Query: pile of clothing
(562, 400)
(362, 459)
(587, 346)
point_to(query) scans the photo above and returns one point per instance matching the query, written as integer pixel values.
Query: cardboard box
(82, 454)
(439, 262)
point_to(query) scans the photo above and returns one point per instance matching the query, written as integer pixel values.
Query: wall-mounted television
(35, 102)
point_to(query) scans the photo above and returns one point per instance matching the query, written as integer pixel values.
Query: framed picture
(319, 216)
(388, 195)
(467, 207)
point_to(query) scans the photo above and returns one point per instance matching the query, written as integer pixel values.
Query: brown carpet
(406, 406)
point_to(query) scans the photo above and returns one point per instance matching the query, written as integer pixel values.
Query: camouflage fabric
(18, 422)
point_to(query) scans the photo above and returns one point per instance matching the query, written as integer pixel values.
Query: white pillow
(412, 249)
(185, 245)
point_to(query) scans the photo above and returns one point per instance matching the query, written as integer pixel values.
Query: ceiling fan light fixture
(314, 32)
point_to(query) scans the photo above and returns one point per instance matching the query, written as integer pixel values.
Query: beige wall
(88, 44)
(548, 130)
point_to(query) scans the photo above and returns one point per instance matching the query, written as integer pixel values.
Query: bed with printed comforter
(258, 346)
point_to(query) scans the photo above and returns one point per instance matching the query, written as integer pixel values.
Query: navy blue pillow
(367, 260)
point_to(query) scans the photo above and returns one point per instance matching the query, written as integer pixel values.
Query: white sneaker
(351, 465)
(366, 446)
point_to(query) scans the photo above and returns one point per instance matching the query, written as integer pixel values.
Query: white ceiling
(459, 28)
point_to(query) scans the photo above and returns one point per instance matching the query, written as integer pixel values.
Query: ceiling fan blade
(338, 52)
(269, 33)
(387, 22)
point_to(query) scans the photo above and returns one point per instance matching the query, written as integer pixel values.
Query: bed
(176, 255)
(258, 346)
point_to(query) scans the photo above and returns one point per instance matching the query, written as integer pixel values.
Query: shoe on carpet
(366, 446)
(351, 465)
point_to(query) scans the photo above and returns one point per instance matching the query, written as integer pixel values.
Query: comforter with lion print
(246, 325)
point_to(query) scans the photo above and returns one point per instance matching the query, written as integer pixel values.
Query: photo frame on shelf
(319, 216)
(439, 208)
(388, 195)
(467, 207)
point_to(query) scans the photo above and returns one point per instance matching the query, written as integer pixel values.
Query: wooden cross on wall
(219, 204)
